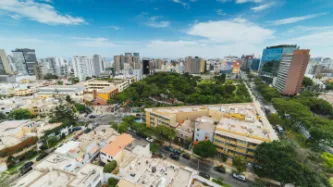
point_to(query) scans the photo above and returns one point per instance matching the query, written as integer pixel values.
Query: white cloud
(262, 7)
(40, 12)
(156, 22)
(247, 1)
(114, 27)
(220, 12)
(306, 29)
(93, 42)
(237, 30)
(185, 5)
(296, 19)
(206, 49)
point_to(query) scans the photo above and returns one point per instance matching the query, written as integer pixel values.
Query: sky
(165, 28)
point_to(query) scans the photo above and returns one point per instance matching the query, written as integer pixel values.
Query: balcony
(250, 153)
(241, 144)
(252, 147)
(219, 144)
(219, 150)
(241, 150)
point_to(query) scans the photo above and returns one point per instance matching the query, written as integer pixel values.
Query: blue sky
(165, 28)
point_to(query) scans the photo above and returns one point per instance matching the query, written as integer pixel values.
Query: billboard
(226, 67)
(236, 66)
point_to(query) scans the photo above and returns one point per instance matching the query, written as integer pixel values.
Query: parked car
(176, 151)
(168, 148)
(151, 140)
(174, 156)
(92, 116)
(220, 169)
(28, 164)
(87, 130)
(41, 156)
(204, 175)
(186, 156)
(239, 177)
(24, 170)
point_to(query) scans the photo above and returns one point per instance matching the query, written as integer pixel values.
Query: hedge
(18, 147)
(109, 167)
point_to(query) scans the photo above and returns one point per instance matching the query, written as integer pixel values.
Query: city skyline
(171, 28)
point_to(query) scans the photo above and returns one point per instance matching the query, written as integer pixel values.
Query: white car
(239, 177)
(150, 140)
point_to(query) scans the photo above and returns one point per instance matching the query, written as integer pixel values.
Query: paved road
(205, 167)
(102, 119)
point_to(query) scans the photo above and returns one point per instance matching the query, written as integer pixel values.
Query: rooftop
(107, 89)
(118, 144)
(148, 172)
(206, 123)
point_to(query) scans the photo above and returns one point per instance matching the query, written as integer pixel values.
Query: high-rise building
(98, 63)
(247, 61)
(25, 61)
(82, 67)
(4, 64)
(188, 64)
(202, 65)
(54, 65)
(271, 59)
(291, 72)
(255, 64)
(145, 67)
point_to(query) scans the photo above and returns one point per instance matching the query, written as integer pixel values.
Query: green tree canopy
(109, 167)
(19, 114)
(278, 161)
(164, 133)
(50, 76)
(239, 163)
(307, 82)
(205, 149)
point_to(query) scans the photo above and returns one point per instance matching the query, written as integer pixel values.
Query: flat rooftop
(87, 173)
(146, 172)
(57, 161)
(102, 133)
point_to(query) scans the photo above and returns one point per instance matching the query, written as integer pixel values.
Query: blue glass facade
(255, 64)
(271, 59)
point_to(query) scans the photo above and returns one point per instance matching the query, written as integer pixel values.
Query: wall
(182, 116)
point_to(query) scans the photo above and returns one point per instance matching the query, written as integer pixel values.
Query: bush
(18, 147)
(108, 168)
(224, 157)
(112, 182)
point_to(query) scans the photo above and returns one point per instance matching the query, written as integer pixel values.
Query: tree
(74, 80)
(122, 127)
(50, 76)
(19, 114)
(2, 116)
(79, 107)
(112, 182)
(69, 99)
(307, 82)
(278, 160)
(64, 113)
(165, 133)
(239, 163)
(88, 78)
(109, 167)
(205, 149)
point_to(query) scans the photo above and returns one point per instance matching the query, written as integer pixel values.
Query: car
(92, 116)
(186, 156)
(168, 149)
(41, 156)
(150, 139)
(220, 169)
(239, 177)
(176, 151)
(174, 156)
(87, 130)
(28, 164)
(204, 175)
(24, 170)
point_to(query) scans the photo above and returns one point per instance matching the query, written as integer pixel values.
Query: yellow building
(103, 95)
(202, 65)
(238, 131)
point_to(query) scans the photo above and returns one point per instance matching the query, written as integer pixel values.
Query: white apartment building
(54, 65)
(82, 66)
(98, 63)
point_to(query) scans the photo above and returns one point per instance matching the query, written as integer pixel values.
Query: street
(102, 119)
(204, 167)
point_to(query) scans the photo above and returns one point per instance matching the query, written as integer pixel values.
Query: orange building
(103, 95)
